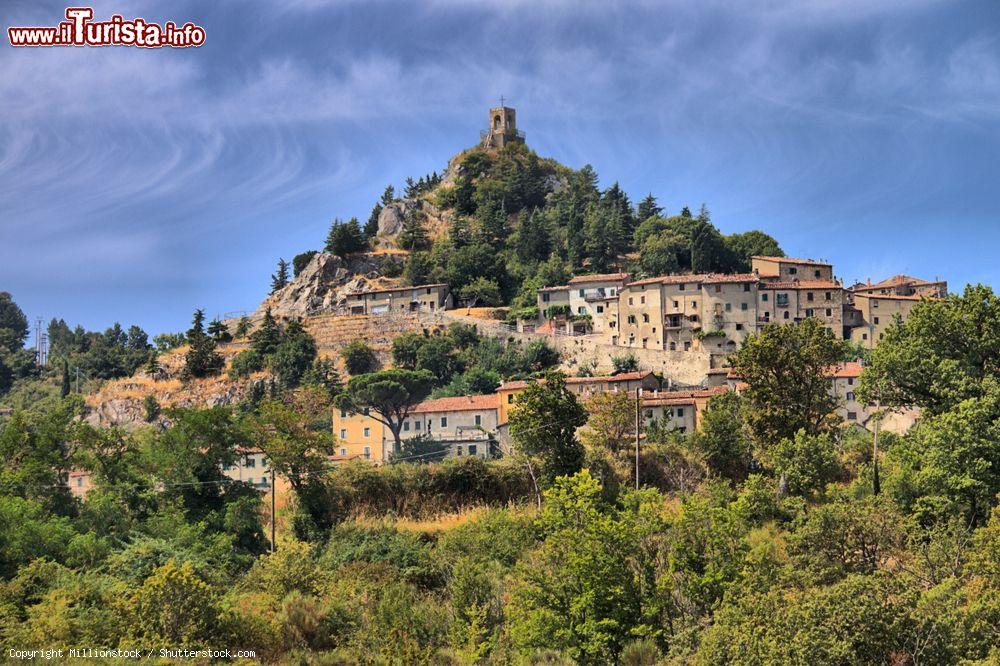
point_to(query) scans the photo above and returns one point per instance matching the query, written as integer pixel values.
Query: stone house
(786, 269)
(421, 298)
(786, 302)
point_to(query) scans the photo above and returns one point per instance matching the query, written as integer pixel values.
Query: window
(600, 309)
(545, 297)
(763, 297)
(79, 481)
(642, 299)
(809, 296)
(630, 300)
(645, 318)
(850, 381)
(250, 462)
(458, 450)
(368, 432)
(694, 304)
(792, 270)
(644, 342)
(718, 288)
(729, 307)
(343, 452)
(581, 293)
(673, 346)
(444, 421)
(809, 312)
(852, 416)
(781, 300)
(739, 327)
(827, 295)
(746, 286)
(816, 272)
(687, 346)
(581, 310)
(368, 453)
(786, 314)
(676, 305)
(479, 419)
(472, 449)
(864, 336)
(416, 424)
(874, 304)
(343, 413)
(680, 412)
(849, 396)
(343, 433)
(744, 307)
(631, 319)
(680, 287)
(829, 312)
(510, 399)
(876, 320)
(406, 426)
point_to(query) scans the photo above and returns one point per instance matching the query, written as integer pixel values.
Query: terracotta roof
(894, 297)
(603, 277)
(731, 277)
(388, 289)
(851, 369)
(720, 371)
(897, 280)
(564, 287)
(681, 397)
(464, 403)
(610, 379)
(672, 279)
(792, 260)
(802, 284)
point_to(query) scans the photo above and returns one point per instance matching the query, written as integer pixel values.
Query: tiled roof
(389, 289)
(672, 279)
(564, 287)
(465, 403)
(851, 369)
(681, 397)
(603, 277)
(610, 379)
(802, 284)
(897, 280)
(791, 260)
(731, 277)
(720, 371)
(894, 297)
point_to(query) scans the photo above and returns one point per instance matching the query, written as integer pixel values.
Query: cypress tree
(280, 279)
(201, 359)
(64, 387)
(267, 337)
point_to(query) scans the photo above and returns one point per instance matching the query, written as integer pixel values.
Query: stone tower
(502, 128)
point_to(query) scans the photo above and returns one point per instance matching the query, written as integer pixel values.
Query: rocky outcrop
(323, 285)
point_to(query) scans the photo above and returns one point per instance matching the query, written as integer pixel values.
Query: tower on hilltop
(502, 128)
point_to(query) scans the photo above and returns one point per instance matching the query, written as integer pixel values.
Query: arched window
(496, 121)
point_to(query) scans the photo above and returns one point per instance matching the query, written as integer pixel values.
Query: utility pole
(274, 546)
(638, 407)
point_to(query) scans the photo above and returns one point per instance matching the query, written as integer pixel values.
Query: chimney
(869, 282)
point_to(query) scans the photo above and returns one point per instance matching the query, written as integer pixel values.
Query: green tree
(786, 368)
(219, 331)
(647, 208)
(359, 358)
(371, 226)
(405, 348)
(805, 462)
(173, 607)
(543, 423)
(201, 359)
(722, 437)
(64, 384)
(301, 260)
(344, 238)
(242, 328)
(945, 352)
(13, 324)
(266, 338)
(750, 244)
(481, 290)
(413, 235)
(388, 395)
(279, 280)
(660, 253)
(294, 355)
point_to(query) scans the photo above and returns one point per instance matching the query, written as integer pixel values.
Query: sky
(139, 184)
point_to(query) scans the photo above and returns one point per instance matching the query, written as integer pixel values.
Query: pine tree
(201, 360)
(279, 280)
(267, 337)
(153, 364)
(411, 189)
(243, 327)
(371, 226)
(345, 238)
(219, 331)
(647, 208)
(413, 236)
(64, 387)
(388, 196)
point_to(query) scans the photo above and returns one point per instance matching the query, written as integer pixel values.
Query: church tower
(502, 128)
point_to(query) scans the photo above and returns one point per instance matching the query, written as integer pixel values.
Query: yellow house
(359, 436)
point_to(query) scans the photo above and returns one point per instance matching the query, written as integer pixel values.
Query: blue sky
(136, 185)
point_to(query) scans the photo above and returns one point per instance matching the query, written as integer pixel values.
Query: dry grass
(435, 524)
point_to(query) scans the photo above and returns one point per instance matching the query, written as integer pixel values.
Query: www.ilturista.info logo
(80, 30)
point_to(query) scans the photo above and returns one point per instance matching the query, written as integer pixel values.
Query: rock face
(390, 220)
(323, 285)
